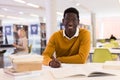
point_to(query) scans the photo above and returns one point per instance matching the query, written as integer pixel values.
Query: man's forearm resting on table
(72, 59)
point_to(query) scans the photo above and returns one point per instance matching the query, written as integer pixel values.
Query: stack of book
(23, 63)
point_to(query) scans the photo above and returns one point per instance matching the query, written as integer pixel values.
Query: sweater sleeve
(49, 50)
(83, 52)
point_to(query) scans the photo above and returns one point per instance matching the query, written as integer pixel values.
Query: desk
(5, 48)
(4, 76)
(113, 51)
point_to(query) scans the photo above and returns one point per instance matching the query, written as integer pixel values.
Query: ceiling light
(21, 12)
(2, 15)
(12, 17)
(59, 13)
(77, 4)
(20, 1)
(34, 15)
(5, 9)
(33, 5)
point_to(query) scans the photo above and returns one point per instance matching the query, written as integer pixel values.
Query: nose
(70, 23)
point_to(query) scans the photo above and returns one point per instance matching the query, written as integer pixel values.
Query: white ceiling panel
(100, 7)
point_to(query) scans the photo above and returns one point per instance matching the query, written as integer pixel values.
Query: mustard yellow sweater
(75, 50)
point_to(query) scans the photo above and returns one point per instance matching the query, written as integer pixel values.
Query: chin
(70, 29)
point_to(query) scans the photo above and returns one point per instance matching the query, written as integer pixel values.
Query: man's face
(70, 22)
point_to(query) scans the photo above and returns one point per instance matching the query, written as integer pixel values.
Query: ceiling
(10, 8)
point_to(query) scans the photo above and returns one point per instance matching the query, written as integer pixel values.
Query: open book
(80, 70)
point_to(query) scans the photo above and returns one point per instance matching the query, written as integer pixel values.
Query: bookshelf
(1, 35)
(16, 27)
(43, 36)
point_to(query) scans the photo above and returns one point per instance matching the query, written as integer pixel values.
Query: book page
(96, 71)
(98, 74)
(71, 70)
(68, 72)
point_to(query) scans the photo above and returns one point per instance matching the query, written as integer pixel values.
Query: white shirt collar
(75, 35)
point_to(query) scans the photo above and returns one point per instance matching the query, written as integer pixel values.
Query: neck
(70, 33)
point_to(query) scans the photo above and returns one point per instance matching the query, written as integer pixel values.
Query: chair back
(101, 55)
(115, 43)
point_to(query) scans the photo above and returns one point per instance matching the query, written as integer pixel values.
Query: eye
(74, 19)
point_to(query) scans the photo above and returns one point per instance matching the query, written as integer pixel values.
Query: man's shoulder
(84, 30)
(84, 33)
(58, 32)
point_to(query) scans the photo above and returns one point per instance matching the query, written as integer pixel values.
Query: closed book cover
(28, 62)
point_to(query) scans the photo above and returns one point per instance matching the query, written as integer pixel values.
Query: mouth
(70, 27)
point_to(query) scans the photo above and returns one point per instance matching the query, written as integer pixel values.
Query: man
(70, 45)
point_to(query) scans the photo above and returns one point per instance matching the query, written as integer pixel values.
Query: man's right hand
(54, 63)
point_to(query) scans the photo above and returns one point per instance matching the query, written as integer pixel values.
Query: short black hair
(71, 10)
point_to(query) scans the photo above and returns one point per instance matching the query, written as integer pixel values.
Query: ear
(63, 21)
(78, 22)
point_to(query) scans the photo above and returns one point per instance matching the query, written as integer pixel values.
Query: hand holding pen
(54, 63)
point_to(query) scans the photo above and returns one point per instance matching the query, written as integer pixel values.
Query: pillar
(93, 24)
(51, 18)
(0, 22)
